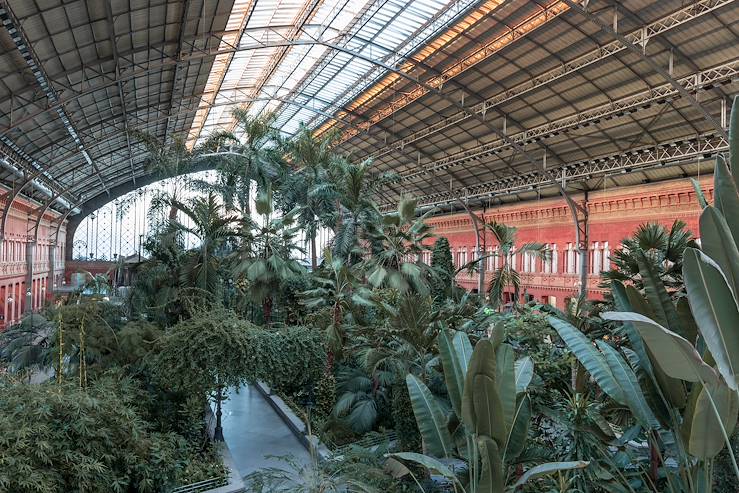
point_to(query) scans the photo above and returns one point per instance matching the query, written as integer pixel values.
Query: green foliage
(443, 267)
(506, 275)
(61, 438)
(404, 421)
(217, 349)
(289, 358)
(396, 246)
(652, 246)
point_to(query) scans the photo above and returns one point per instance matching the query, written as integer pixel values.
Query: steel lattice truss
(461, 98)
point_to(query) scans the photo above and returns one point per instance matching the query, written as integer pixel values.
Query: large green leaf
(701, 428)
(482, 411)
(659, 300)
(506, 379)
(718, 243)
(516, 438)
(726, 197)
(658, 402)
(715, 311)
(549, 468)
(455, 353)
(632, 392)
(734, 139)
(429, 463)
(377, 276)
(492, 479)
(699, 193)
(622, 303)
(430, 418)
(589, 357)
(524, 369)
(676, 356)
(673, 389)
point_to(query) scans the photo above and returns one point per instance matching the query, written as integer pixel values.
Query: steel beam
(674, 152)
(642, 100)
(639, 36)
(641, 52)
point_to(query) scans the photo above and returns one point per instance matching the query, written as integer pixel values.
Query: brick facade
(614, 214)
(13, 262)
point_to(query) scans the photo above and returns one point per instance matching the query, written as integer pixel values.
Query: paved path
(252, 430)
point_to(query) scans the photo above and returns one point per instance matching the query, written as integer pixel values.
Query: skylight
(296, 75)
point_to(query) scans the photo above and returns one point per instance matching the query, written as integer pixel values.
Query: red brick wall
(13, 266)
(613, 215)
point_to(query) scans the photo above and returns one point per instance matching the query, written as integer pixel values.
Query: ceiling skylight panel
(332, 16)
(428, 20)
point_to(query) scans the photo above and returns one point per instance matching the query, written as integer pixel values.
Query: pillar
(30, 249)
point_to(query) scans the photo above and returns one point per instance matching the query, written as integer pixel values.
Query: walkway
(252, 430)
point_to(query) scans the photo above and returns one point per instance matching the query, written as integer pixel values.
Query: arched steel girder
(39, 212)
(62, 159)
(88, 205)
(405, 75)
(159, 64)
(652, 64)
(370, 60)
(400, 73)
(183, 110)
(158, 47)
(389, 68)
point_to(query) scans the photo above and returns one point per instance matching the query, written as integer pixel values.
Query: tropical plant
(682, 361)
(487, 391)
(265, 258)
(255, 159)
(339, 291)
(655, 245)
(26, 346)
(360, 397)
(506, 275)
(396, 246)
(310, 186)
(441, 262)
(358, 214)
(201, 267)
(63, 438)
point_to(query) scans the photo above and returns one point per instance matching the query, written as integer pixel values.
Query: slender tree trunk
(313, 253)
(267, 310)
(205, 267)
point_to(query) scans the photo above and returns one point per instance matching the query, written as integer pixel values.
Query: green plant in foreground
(487, 389)
(60, 438)
(681, 375)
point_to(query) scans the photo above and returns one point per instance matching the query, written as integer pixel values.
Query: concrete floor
(252, 430)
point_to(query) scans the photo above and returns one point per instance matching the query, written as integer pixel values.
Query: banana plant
(685, 355)
(491, 413)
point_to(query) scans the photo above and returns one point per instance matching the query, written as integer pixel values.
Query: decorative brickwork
(614, 214)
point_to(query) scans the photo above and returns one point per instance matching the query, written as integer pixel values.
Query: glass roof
(298, 76)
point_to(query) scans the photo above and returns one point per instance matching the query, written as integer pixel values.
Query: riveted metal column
(30, 250)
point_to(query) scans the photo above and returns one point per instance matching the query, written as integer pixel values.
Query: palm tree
(654, 243)
(338, 290)
(310, 184)
(396, 246)
(506, 275)
(264, 258)
(256, 158)
(357, 211)
(201, 268)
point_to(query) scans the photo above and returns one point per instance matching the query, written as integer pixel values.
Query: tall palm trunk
(313, 253)
(267, 310)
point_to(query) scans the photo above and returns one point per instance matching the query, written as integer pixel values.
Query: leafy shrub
(218, 348)
(404, 420)
(441, 262)
(59, 438)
